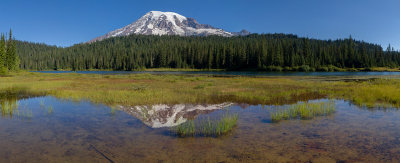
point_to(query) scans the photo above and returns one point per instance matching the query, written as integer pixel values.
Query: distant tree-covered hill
(253, 52)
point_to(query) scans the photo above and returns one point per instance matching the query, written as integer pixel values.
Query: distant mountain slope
(168, 23)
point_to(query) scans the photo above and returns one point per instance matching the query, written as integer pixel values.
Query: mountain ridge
(168, 23)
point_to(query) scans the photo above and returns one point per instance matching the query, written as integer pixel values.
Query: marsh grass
(10, 108)
(201, 86)
(113, 110)
(41, 104)
(303, 110)
(50, 109)
(139, 87)
(148, 89)
(206, 128)
(14, 91)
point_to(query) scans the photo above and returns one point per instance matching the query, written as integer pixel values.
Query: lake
(47, 129)
(243, 73)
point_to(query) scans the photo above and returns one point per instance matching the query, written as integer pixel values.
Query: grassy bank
(141, 89)
(266, 69)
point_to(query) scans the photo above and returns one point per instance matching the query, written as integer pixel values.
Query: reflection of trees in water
(10, 108)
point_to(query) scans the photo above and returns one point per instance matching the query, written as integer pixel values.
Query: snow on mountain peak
(166, 23)
(170, 15)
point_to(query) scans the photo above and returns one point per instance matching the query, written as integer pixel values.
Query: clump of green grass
(303, 110)
(12, 92)
(28, 114)
(6, 109)
(50, 109)
(201, 86)
(185, 129)
(113, 110)
(10, 109)
(41, 104)
(139, 88)
(206, 128)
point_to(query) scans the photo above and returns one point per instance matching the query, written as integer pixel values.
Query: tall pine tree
(12, 59)
(3, 68)
(2, 51)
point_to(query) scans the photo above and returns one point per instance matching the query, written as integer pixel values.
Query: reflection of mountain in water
(157, 116)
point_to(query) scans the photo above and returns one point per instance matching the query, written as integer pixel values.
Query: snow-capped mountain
(168, 23)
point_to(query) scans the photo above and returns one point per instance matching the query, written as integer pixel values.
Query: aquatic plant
(113, 110)
(303, 110)
(206, 128)
(50, 109)
(10, 108)
(12, 92)
(185, 129)
(41, 104)
(28, 113)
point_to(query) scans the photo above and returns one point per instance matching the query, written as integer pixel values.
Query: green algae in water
(304, 110)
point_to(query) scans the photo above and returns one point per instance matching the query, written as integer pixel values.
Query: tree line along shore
(259, 52)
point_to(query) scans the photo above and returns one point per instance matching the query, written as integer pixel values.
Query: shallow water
(242, 73)
(85, 132)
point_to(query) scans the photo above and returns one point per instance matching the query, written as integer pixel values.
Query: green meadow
(144, 89)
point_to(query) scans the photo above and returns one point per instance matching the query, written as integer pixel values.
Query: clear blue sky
(67, 22)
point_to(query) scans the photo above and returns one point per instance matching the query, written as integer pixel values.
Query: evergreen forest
(270, 52)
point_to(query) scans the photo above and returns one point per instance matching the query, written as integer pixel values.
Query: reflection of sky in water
(84, 132)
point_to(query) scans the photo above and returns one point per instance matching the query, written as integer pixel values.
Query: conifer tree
(2, 52)
(256, 52)
(12, 60)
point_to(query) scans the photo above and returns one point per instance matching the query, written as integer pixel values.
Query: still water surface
(242, 73)
(47, 129)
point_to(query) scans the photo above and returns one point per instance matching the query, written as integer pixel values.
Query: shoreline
(374, 69)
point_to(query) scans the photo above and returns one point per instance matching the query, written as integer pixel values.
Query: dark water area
(241, 73)
(46, 129)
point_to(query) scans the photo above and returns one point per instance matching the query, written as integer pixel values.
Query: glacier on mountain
(167, 23)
